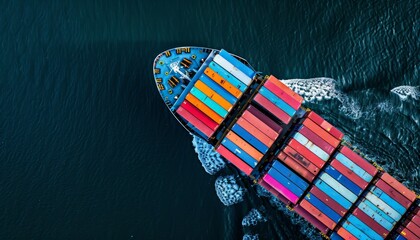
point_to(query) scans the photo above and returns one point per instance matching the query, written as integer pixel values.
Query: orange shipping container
(244, 146)
(321, 132)
(267, 130)
(213, 95)
(285, 88)
(222, 82)
(345, 234)
(317, 214)
(410, 195)
(204, 108)
(254, 131)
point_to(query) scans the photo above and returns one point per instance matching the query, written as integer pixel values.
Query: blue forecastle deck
(177, 69)
(181, 64)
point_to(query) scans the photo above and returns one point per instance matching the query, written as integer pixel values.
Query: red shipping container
(317, 140)
(315, 222)
(234, 160)
(328, 201)
(407, 233)
(254, 131)
(260, 125)
(413, 228)
(361, 162)
(244, 146)
(194, 121)
(306, 153)
(296, 166)
(416, 220)
(301, 160)
(325, 125)
(401, 199)
(345, 234)
(317, 214)
(321, 132)
(285, 88)
(273, 191)
(399, 187)
(370, 222)
(349, 174)
(271, 107)
(266, 119)
(282, 94)
(199, 115)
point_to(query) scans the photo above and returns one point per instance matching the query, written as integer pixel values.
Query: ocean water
(89, 151)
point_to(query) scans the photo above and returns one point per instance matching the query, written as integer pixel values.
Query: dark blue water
(89, 151)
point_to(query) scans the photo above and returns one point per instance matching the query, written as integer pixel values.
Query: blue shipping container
(238, 64)
(374, 212)
(390, 201)
(383, 206)
(354, 231)
(311, 146)
(400, 238)
(232, 69)
(332, 193)
(239, 152)
(291, 175)
(228, 77)
(335, 236)
(338, 187)
(217, 88)
(343, 180)
(285, 182)
(277, 101)
(209, 102)
(322, 207)
(354, 167)
(364, 228)
(249, 138)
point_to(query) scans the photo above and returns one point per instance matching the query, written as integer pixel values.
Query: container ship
(259, 125)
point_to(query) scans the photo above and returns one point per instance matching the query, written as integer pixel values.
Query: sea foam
(314, 89)
(404, 92)
(211, 161)
(228, 190)
(250, 237)
(318, 89)
(253, 218)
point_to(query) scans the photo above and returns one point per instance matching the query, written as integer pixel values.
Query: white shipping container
(338, 187)
(232, 69)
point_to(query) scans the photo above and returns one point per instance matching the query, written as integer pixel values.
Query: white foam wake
(250, 237)
(319, 89)
(404, 92)
(211, 161)
(314, 89)
(228, 191)
(253, 218)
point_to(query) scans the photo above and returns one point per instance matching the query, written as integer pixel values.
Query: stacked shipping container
(285, 182)
(214, 93)
(310, 146)
(330, 185)
(256, 129)
(278, 99)
(378, 211)
(410, 229)
(249, 139)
